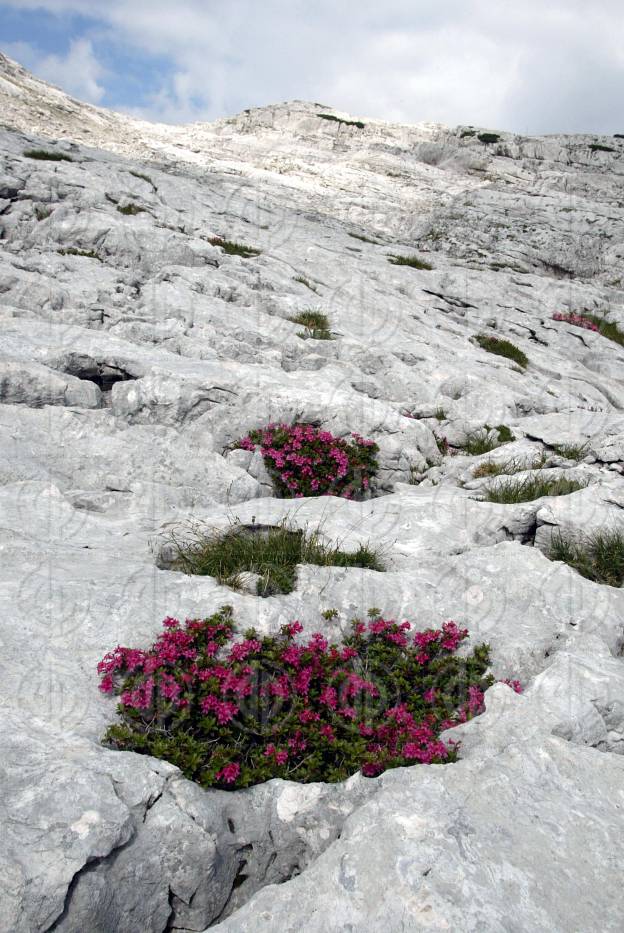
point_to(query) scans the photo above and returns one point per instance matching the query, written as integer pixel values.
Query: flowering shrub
(305, 461)
(233, 713)
(577, 319)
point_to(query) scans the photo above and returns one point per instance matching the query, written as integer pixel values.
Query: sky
(529, 66)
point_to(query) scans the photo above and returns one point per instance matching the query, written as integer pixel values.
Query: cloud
(496, 63)
(78, 72)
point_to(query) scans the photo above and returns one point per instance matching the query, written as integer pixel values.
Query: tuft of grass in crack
(316, 324)
(486, 439)
(142, 177)
(42, 213)
(572, 451)
(272, 552)
(507, 467)
(502, 348)
(607, 328)
(598, 556)
(47, 155)
(364, 239)
(334, 119)
(415, 262)
(73, 251)
(511, 491)
(439, 414)
(130, 210)
(232, 248)
(600, 147)
(303, 281)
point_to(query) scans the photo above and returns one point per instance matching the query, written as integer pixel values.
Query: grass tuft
(272, 552)
(316, 324)
(502, 348)
(606, 328)
(42, 213)
(334, 119)
(414, 261)
(130, 210)
(511, 491)
(73, 251)
(142, 177)
(364, 239)
(303, 281)
(598, 557)
(47, 155)
(232, 248)
(572, 451)
(507, 467)
(486, 439)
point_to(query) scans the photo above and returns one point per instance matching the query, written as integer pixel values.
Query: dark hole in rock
(240, 875)
(104, 375)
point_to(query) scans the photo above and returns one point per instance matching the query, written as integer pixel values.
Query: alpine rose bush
(305, 461)
(232, 713)
(577, 319)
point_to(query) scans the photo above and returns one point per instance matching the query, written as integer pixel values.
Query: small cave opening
(104, 374)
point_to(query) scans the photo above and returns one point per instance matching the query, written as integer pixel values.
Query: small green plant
(42, 213)
(334, 119)
(73, 251)
(488, 138)
(303, 281)
(598, 556)
(608, 329)
(315, 322)
(233, 712)
(47, 155)
(508, 492)
(364, 239)
(414, 261)
(439, 414)
(502, 348)
(130, 210)
(486, 439)
(142, 177)
(234, 249)
(507, 467)
(505, 434)
(599, 147)
(273, 553)
(478, 442)
(572, 451)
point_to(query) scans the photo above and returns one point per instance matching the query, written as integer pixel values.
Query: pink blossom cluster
(312, 693)
(577, 319)
(306, 461)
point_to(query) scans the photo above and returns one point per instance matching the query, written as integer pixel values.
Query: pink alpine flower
(228, 773)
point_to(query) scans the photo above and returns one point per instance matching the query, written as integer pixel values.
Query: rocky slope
(133, 352)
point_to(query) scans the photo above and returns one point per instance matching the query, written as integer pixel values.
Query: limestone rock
(134, 353)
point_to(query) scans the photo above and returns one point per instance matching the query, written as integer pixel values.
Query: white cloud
(546, 67)
(79, 72)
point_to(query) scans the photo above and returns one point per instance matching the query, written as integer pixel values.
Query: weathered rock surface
(133, 353)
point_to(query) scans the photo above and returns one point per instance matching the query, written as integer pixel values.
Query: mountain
(473, 285)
